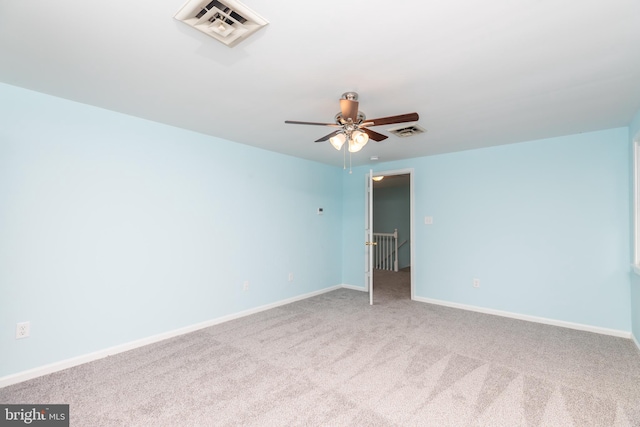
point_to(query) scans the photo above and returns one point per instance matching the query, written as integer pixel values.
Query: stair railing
(385, 253)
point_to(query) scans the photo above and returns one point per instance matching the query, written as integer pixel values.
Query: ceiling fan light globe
(360, 138)
(338, 141)
(354, 147)
(357, 141)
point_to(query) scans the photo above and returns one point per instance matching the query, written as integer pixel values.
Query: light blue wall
(391, 210)
(634, 133)
(114, 228)
(544, 225)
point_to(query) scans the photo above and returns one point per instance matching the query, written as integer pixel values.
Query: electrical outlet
(428, 220)
(245, 286)
(291, 277)
(476, 282)
(22, 330)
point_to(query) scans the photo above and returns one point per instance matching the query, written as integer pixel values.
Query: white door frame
(410, 172)
(368, 238)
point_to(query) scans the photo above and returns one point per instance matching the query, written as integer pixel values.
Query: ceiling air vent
(228, 21)
(405, 131)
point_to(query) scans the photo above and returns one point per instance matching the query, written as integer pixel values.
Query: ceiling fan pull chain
(344, 158)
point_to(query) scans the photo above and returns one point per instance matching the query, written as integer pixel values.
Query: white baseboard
(536, 319)
(635, 340)
(355, 288)
(79, 360)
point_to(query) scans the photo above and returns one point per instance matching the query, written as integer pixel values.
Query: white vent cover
(228, 21)
(407, 130)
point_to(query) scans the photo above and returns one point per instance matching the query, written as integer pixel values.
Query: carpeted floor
(335, 360)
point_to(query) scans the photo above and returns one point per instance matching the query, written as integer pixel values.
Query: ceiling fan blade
(374, 135)
(326, 137)
(293, 122)
(349, 109)
(411, 117)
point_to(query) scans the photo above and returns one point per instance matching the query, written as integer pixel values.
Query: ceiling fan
(353, 126)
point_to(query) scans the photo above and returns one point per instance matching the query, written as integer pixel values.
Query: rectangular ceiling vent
(405, 131)
(228, 21)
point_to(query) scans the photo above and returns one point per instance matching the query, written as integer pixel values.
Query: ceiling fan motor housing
(342, 121)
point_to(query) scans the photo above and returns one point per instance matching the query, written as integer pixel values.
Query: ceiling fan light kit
(338, 141)
(357, 141)
(353, 126)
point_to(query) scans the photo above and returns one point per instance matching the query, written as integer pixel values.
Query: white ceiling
(478, 73)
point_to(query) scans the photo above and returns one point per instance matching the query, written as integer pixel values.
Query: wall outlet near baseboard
(22, 330)
(245, 286)
(291, 277)
(476, 282)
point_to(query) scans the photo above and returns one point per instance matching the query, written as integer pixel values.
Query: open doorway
(392, 221)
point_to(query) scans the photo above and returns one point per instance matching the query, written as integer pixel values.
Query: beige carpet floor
(334, 360)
